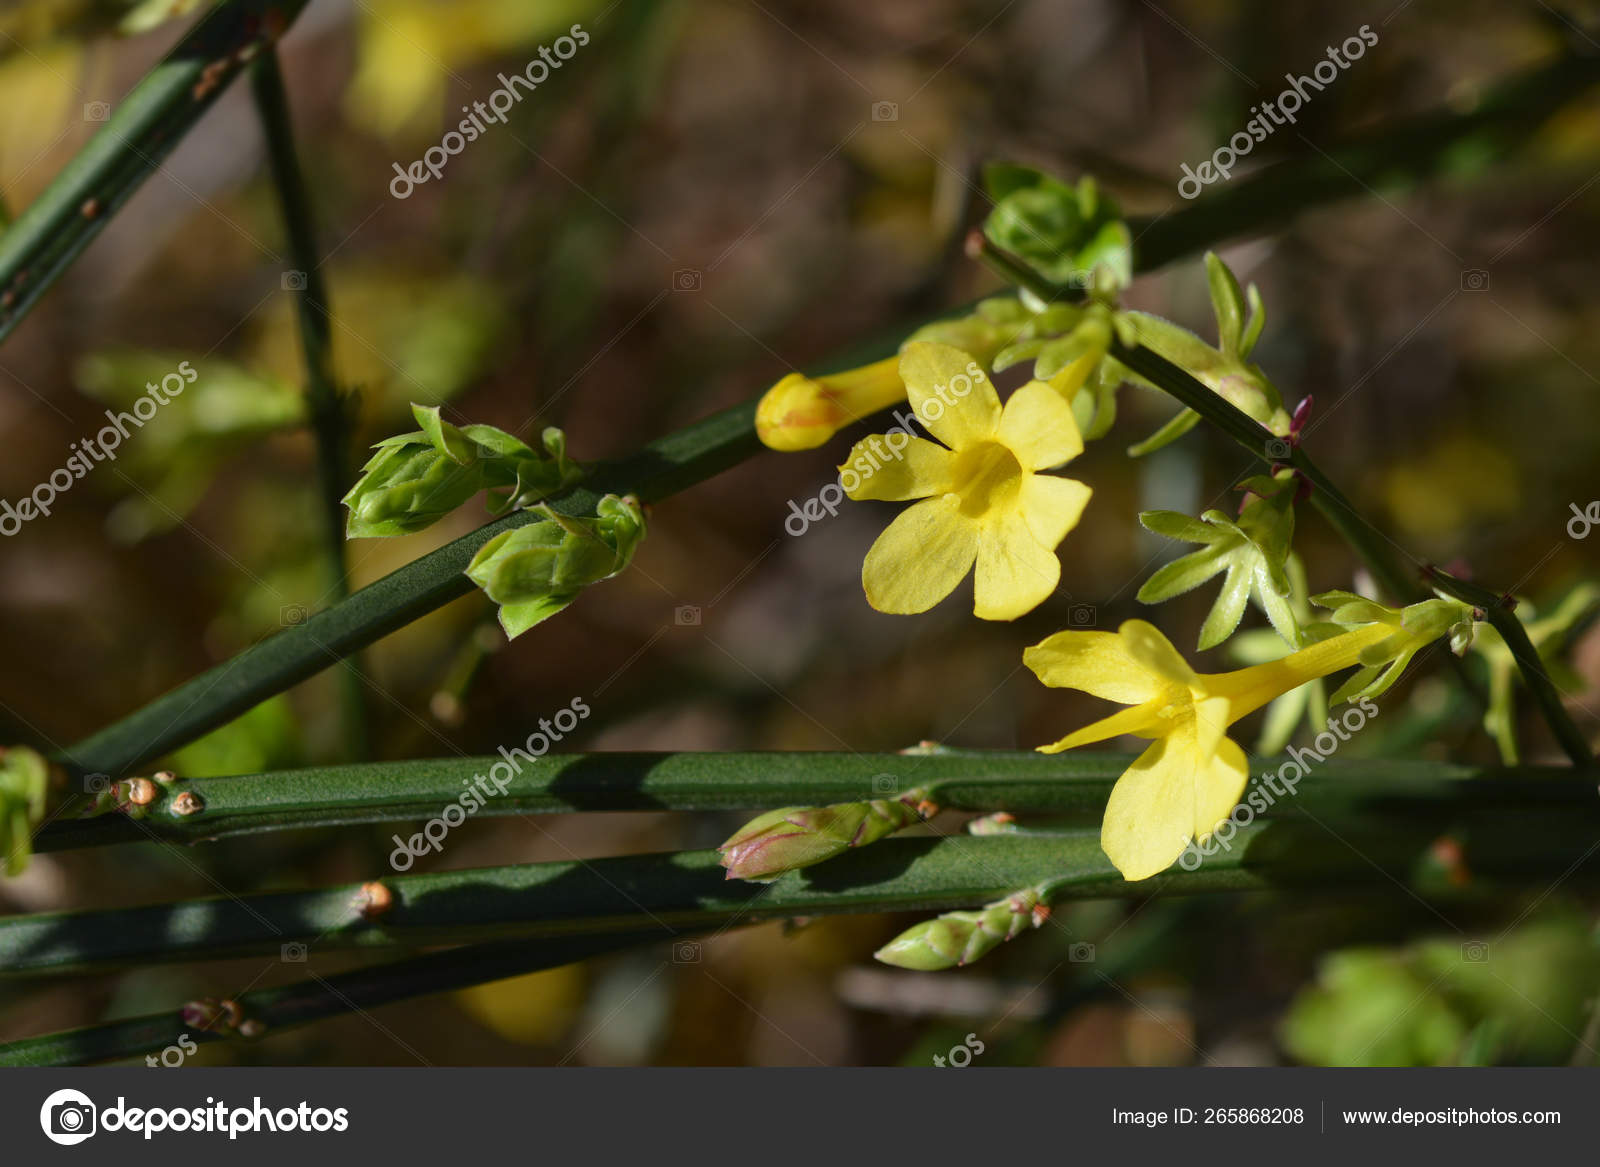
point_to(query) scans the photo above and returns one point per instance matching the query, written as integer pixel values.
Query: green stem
(146, 126)
(1374, 548)
(977, 781)
(1500, 610)
(304, 1002)
(689, 890)
(327, 409)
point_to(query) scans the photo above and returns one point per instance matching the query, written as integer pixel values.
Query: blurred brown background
(709, 194)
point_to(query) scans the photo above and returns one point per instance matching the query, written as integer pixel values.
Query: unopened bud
(959, 938)
(534, 571)
(799, 836)
(801, 413)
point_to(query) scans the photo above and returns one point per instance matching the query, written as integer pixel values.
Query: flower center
(987, 477)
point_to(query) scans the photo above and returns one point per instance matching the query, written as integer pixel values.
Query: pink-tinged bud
(799, 836)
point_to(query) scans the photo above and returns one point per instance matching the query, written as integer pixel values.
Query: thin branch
(1500, 610)
(144, 128)
(327, 408)
(976, 781)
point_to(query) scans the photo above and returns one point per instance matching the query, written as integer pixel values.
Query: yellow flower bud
(801, 413)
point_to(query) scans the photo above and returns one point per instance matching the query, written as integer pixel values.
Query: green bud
(1068, 234)
(24, 777)
(416, 479)
(536, 570)
(959, 938)
(799, 836)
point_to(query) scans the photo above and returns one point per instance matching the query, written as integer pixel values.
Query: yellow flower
(1186, 784)
(982, 502)
(800, 412)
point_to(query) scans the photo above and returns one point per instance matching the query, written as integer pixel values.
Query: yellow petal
(1098, 663)
(920, 557)
(896, 467)
(1038, 425)
(1219, 788)
(1171, 794)
(1154, 651)
(950, 393)
(1015, 573)
(1140, 720)
(1149, 817)
(1052, 506)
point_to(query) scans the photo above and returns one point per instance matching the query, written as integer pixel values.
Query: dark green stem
(1500, 611)
(689, 890)
(145, 127)
(978, 781)
(1374, 548)
(327, 408)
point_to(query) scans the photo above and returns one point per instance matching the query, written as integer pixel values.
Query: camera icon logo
(1278, 450)
(885, 784)
(1081, 953)
(96, 783)
(686, 616)
(96, 111)
(1081, 615)
(686, 280)
(294, 281)
(293, 952)
(1474, 279)
(686, 952)
(68, 1117)
(885, 111)
(1475, 952)
(292, 614)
